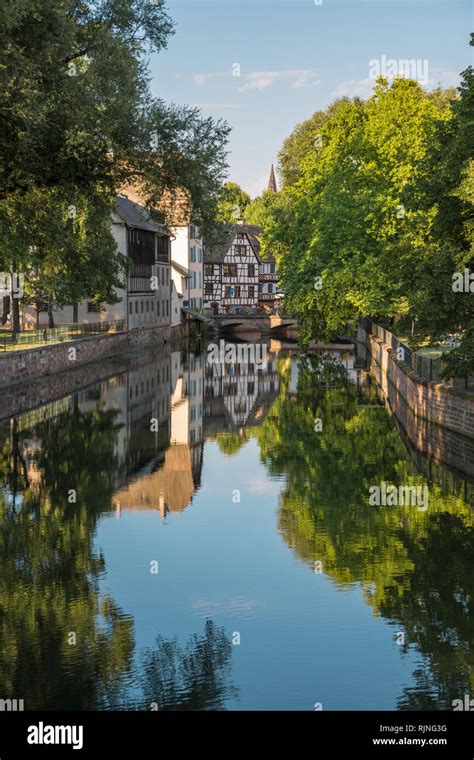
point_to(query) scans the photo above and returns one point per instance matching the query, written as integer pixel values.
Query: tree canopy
(77, 123)
(375, 216)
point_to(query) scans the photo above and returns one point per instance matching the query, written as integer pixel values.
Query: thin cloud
(215, 105)
(262, 80)
(352, 88)
(443, 78)
(202, 79)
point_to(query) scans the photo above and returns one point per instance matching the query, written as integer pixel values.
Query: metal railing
(425, 367)
(11, 342)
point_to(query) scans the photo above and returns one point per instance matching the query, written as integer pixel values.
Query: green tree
(356, 235)
(259, 212)
(232, 203)
(77, 123)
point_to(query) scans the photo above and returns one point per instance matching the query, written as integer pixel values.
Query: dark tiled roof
(216, 250)
(136, 216)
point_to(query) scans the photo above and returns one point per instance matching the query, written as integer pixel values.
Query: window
(130, 307)
(92, 308)
(251, 291)
(240, 250)
(167, 308)
(272, 268)
(158, 308)
(251, 270)
(260, 288)
(208, 268)
(136, 307)
(148, 306)
(153, 306)
(270, 287)
(208, 289)
(200, 280)
(141, 302)
(193, 254)
(163, 276)
(230, 270)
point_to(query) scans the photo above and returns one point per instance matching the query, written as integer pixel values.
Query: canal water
(196, 534)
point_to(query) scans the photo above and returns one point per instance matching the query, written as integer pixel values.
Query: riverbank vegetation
(78, 123)
(375, 216)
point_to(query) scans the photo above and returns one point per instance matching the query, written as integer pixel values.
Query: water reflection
(137, 444)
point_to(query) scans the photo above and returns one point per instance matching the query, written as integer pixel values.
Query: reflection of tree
(48, 584)
(231, 443)
(415, 567)
(193, 677)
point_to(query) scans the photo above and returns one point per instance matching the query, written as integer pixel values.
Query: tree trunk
(75, 313)
(50, 315)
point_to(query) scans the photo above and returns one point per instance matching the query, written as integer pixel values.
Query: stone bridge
(264, 323)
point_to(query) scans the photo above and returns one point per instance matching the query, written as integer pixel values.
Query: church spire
(272, 185)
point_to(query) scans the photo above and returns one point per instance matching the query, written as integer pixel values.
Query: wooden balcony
(268, 277)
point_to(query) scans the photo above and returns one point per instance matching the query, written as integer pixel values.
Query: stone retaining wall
(23, 366)
(438, 419)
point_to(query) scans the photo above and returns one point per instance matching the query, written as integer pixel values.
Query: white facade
(187, 252)
(145, 301)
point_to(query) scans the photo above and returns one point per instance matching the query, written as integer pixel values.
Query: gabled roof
(216, 251)
(182, 270)
(137, 216)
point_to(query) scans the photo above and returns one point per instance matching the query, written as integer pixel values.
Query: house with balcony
(145, 298)
(231, 269)
(235, 274)
(268, 293)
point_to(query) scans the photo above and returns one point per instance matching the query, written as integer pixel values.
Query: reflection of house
(168, 482)
(169, 488)
(234, 392)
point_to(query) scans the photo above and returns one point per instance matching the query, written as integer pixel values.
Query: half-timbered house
(231, 269)
(235, 275)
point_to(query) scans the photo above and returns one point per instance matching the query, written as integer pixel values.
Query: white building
(187, 254)
(145, 301)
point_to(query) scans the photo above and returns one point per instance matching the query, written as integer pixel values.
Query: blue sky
(265, 65)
